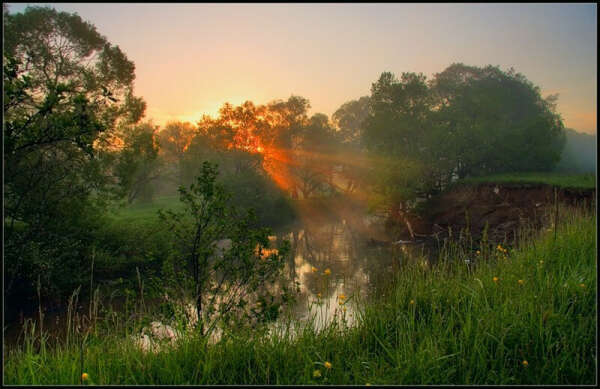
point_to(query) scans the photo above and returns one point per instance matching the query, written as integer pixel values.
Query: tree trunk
(198, 295)
(199, 310)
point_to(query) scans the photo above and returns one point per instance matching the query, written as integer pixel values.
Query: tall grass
(525, 316)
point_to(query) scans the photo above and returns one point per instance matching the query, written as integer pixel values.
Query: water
(357, 270)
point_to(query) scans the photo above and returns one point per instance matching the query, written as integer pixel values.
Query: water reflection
(330, 260)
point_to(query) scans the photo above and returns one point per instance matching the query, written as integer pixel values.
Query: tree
(399, 116)
(349, 121)
(238, 140)
(313, 162)
(270, 132)
(396, 135)
(282, 136)
(174, 139)
(137, 163)
(65, 87)
(221, 281)
(495, 121)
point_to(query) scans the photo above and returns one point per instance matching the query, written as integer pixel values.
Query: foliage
(65, 88)
(349, 119)
(173, 140)
(137, 162)
(218, 258)
(496, 121)
(395, 137)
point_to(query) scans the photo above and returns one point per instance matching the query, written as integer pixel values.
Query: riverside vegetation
(524, 315)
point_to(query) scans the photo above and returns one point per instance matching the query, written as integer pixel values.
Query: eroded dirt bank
(505, 207)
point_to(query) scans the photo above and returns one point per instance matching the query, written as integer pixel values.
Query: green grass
(463, 328)
(148, 211)
(563, 180)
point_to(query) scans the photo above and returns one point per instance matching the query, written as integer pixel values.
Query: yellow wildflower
(541, 262)
(85, 376)
(412, 302)
(341, 296)
(327, 272)
(319, 295)
(582, 285)
(495, 279)
(521, 282)
(314, 269)
(317, 373)
(478, 252)
(525, 363)
(327, 364)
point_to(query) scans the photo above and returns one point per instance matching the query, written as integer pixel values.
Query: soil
(504, 207)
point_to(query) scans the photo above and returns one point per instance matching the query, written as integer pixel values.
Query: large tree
(495, 121)
(65, 88)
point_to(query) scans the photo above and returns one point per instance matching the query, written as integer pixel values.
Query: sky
(192, 58)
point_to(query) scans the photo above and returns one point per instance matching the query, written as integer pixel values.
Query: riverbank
(497, 206)
(524, 316)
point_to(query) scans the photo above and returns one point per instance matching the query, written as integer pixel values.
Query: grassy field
(148, 211)
(526, 316)
(563, 180)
